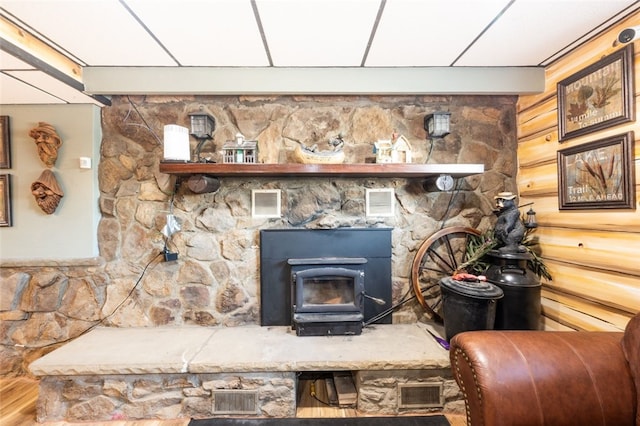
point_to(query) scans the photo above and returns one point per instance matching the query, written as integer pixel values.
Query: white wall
(71, 231)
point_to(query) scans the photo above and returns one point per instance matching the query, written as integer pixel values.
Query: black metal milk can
(520, 308)
(468, 305)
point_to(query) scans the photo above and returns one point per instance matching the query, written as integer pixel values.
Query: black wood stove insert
(325, 282)
(327, 295)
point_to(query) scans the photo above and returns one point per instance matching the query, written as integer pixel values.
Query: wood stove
(327, 295)
(346, 254)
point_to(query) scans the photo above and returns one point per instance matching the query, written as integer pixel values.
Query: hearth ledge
(192, 349)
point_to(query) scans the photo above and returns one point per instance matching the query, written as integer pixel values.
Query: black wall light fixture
(437, 124)
(202, 127)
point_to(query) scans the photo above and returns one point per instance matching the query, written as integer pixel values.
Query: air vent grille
(380, 202)
(420, 395)
(235, 402)
(266, 203)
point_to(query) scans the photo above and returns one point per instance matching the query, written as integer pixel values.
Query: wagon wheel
(439, 256)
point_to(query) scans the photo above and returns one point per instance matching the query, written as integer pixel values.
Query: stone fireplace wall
(215, 280)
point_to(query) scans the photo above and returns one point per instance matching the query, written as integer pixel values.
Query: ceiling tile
(16, 92)
(10, 62)
(423, 33)
(96, 32)
(198, 33)
(516, 38)
(53, 86)
(317, 33)
(298, 33)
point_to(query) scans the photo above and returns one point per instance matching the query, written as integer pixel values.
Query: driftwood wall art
(47, 191)
(47, 141)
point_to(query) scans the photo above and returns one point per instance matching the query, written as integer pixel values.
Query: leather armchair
(534, 378)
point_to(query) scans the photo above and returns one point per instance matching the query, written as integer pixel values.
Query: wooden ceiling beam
(30, 49)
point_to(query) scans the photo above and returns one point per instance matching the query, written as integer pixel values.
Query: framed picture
(5, 200)
(597, 175)
(5, 143)
(597, 97)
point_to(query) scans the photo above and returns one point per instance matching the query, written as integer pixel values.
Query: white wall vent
(380, 202)
(420, 395)
(235, 402)
(265, 203)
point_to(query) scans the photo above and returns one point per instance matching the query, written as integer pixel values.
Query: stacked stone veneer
(165, 396)
(171, 396)
(215, 281)
(378, 390)
(43, 303)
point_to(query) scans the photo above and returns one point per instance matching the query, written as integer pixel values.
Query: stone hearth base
(138, 373)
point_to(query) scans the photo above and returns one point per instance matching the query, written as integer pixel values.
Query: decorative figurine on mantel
(240, 151)
(509, 229)
(382, 150)
(311, 155)
(395, 150)
(47, 141)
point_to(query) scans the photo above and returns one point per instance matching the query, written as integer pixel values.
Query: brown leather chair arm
(543, 378)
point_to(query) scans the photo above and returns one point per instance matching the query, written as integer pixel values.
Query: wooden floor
(18, 407)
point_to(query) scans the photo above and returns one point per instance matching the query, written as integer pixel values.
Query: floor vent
(235, 402)
(420, 395)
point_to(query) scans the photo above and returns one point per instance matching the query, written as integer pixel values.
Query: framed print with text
(597, 97)
(5, 200)
(5, 143)
(597, 175)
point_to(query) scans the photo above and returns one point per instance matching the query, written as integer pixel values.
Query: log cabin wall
(591, 254)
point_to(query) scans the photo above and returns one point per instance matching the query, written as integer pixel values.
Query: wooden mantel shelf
(395, 170)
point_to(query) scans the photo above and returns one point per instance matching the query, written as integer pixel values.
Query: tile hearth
(172, 372)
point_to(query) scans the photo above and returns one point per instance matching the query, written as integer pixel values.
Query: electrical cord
(430, 150)
(404, 299)
(454, 193)
(312, 392)
(132, 289)
(171, 200)
(145, 126)
(106, 317)
(389, 310)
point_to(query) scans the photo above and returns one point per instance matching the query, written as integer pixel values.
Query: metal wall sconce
(437, 124)
(202, 127)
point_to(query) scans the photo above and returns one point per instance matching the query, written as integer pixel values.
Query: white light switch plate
(85, 162)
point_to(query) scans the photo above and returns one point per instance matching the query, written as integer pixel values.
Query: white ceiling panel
(317, 33)
(199, 33)
(514, 41)
(16, 92)
(10, 62)
(131, 38)
(423, 33)
(53, 86)
(96, 32)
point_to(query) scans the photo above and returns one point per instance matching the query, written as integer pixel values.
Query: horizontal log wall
(591, 254)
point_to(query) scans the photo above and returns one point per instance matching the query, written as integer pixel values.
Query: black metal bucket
(520, 308)
(468, 305)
